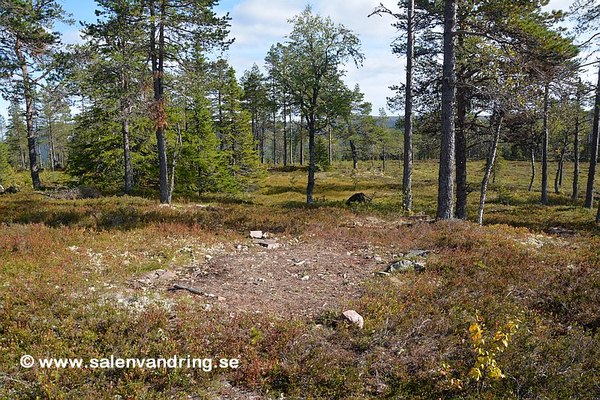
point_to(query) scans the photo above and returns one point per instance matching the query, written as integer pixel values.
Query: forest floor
(99, 277)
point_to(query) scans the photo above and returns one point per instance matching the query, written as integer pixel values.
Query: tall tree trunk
(490, 164)
(262, 142)
(408, 109)
(575, 193)
(532, 158)
(446, 172)
(51, 149)
(383, 158)
(354, 154)
(544, 198)
(23, 158)
(562, 166)
(330, 138)
(461, 153)
(127, 156)
(125, 112)
(292, 135)
(285, 137)
(589, 195)
(301, 142)
(28, 95)
(255, 132)
(274, 138)
(461, 138)
(174, 159)
(311, 159)
(39, 152)
(558, 177)
(157, 60)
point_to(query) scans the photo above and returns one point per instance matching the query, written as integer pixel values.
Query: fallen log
(189, 289)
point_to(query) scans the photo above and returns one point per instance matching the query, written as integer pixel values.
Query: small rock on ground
(354, 318)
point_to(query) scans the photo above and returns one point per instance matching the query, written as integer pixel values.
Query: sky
(258, 24)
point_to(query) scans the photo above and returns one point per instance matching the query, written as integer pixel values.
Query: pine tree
(316, 49)
(117, 39)
(255, 101)
(27, 44)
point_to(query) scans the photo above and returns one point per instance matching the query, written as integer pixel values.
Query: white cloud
(258, 24)
(72, 37)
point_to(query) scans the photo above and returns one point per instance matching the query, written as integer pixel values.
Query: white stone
(355, 318)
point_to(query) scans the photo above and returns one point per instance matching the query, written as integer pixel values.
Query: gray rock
(268, 243)
(2, 189)
(256, 234)
(406, 266)
(360, 198)
(417, 253)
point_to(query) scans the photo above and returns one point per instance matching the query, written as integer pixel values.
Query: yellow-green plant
(486, 348)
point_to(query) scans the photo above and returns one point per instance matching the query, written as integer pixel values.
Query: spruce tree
(6, 170)
(16, 136)
(236, 133)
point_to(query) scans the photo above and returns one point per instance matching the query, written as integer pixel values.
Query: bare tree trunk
(274, 138)
(490, 165)
(408, 109)
(28, 95)
(301, 142)
(575, 194)
(292, 135)
(262, 143)
(544, 198)
(285, 136)
(461, 154)
(532, 169)
(559, 169)
(589, 196)
(23, 158)
(127, 156)
(174, 159)
(461, 140)
(446, 172)
(125, 112)
(254, 130)
(157, 59)
(311, 160)
(51, 150)
(330, 138)
(354, 155)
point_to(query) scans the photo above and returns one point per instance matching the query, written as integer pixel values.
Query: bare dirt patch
(300, 278)
(295, 279)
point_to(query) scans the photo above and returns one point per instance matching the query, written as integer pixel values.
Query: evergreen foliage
(6, 170)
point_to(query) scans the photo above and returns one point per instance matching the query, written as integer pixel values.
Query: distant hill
(391, 120)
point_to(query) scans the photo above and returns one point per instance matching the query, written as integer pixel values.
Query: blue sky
(257, 24)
